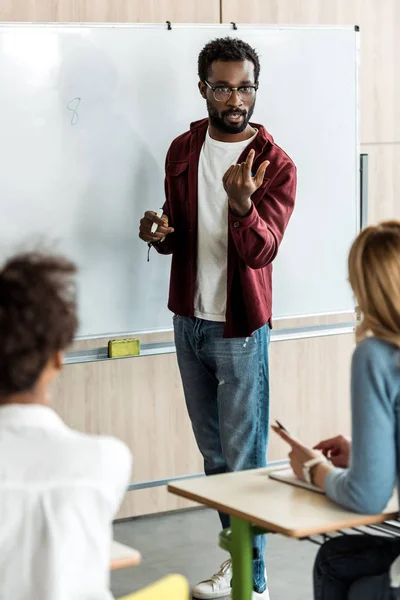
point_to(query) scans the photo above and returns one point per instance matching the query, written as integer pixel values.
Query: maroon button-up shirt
(253, 240)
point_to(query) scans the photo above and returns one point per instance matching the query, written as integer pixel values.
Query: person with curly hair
(59, 489)
(230, 192)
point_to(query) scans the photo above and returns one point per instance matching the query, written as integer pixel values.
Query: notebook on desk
(286, 475)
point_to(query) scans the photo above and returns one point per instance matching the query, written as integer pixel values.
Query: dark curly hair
(226, 49)
(37, 317)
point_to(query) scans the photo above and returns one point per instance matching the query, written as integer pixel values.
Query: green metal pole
(241, 547)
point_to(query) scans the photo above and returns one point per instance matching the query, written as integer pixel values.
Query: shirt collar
(30, 415)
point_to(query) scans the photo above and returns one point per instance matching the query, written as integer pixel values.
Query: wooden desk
(251, 498)
(123, 556)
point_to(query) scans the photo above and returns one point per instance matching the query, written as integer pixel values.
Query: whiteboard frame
(161, 26)
(225, 27)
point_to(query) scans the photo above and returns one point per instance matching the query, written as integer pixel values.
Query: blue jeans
(226, 387)
(355, 567)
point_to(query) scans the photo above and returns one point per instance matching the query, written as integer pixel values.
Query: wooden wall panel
(310, 388)
(380, 49)
(140, 400)
(123, 11)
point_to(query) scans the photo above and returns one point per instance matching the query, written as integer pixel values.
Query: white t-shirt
(212, 227)
(59, 491)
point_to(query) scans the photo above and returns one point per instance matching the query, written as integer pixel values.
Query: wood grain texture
(380, 49)
(139, 400)
(152, 501)
(313, 321)
(112, 11)
(310, 389)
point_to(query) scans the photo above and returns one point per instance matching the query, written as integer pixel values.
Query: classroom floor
(186, 543)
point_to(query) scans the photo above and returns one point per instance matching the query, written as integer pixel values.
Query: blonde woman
(361, 474)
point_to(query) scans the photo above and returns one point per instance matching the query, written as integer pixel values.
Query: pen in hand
(282, 427)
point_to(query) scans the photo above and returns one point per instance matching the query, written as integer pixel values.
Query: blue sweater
(367, 485)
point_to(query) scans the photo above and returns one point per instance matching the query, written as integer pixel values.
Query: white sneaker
(218, 586)
(263, 596)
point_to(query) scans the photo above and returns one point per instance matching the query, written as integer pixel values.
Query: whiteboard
(87, 114)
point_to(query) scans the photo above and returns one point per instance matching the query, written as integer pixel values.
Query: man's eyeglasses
(223, 93)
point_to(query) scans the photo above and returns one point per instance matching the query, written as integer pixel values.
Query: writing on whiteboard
(73, 106)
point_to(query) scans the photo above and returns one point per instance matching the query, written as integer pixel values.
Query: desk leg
(242, 559)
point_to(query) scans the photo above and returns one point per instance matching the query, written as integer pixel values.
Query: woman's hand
(337, 450)
(299, 454)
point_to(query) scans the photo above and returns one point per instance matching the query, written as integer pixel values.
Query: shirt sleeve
(258, 234)
(368, 484)
(116, 469)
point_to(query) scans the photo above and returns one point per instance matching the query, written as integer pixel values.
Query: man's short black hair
(226, 49)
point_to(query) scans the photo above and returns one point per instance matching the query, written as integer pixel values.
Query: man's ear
(203, 89)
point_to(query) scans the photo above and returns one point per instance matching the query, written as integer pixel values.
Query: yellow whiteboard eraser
(120, 348)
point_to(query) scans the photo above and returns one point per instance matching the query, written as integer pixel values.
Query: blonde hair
(374, 275)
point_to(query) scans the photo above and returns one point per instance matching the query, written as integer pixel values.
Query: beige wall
(141, 399)
(123, 11)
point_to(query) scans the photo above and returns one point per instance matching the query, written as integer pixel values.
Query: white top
(212, 227)
(59, 491)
